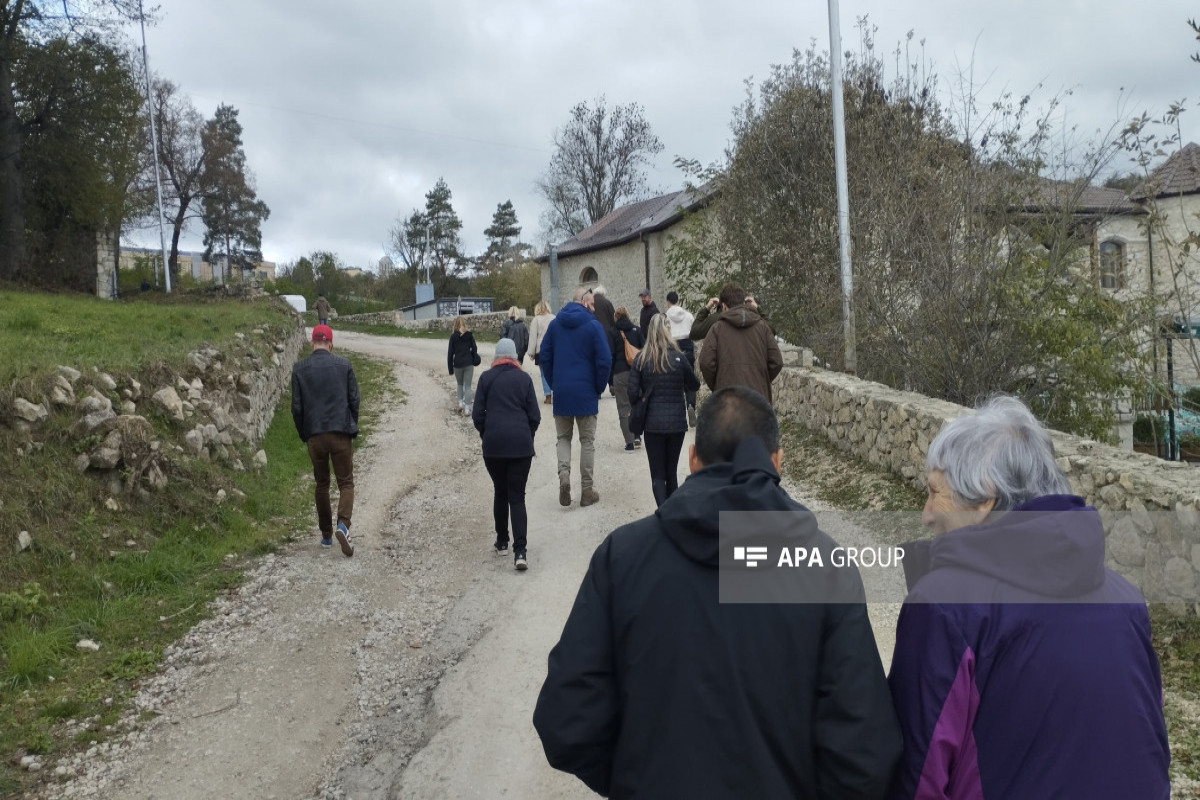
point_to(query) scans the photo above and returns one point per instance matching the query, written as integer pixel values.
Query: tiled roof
(1179, 174)
(626, 223)
(1081, 200)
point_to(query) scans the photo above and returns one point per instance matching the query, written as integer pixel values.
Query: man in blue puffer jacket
(575, 361)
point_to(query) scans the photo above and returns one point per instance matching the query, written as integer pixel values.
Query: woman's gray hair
(1000, 452)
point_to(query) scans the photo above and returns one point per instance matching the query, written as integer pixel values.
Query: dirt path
(410, 670)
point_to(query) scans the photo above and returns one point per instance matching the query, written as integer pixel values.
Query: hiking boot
(519, 562)
(629, 448)
(691, 416)
(637, 442)
(564, 494)
(500, 547)
(326, 541)
(343, 537)
(589, 497)
(549, 400)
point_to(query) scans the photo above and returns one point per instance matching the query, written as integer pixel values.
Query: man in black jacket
(325, 410)
(658, 689)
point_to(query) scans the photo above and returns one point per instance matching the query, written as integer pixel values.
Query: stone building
(193, 263)
(624, 251)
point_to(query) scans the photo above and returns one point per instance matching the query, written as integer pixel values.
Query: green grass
(1177, 642)
(41, 331)
(81, 579)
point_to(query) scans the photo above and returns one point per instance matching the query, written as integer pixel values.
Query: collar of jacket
(505, 362)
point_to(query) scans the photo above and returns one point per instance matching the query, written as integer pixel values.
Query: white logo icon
(751, 555)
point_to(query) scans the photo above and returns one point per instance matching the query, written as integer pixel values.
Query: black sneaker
(519, 562)
(500, 547)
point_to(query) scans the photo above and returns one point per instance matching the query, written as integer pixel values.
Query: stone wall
(1151, 508)
(489, 323)
(376, 318)
(215, 401)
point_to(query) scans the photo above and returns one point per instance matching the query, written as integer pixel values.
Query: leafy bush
(23, 604)
(1149, 428)
(1191, 398)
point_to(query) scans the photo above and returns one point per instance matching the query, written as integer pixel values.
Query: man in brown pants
(325, 410)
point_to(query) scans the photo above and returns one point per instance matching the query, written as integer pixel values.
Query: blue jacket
(1023, 667)
(575, 361)
(506, 412)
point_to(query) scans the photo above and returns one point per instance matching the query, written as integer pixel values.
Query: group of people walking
(1022, 668)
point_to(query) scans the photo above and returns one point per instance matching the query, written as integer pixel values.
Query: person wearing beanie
(506, 414)
(325, 410)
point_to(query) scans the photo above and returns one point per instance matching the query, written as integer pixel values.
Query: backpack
(630, 351)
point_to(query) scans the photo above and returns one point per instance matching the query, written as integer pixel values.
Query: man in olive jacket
(658, 689)
(740, 349)
(325, 410)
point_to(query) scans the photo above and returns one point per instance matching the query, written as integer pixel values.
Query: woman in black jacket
(461, 359)
(662, 373)
(623, 331)
(506, 415)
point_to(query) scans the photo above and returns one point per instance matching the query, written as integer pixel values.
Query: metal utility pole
(554, 277)
(843, 191)
(162, 233)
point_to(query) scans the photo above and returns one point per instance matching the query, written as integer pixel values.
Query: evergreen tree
(232, 213)
(502, 233)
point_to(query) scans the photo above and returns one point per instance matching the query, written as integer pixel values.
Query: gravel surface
(407, 671)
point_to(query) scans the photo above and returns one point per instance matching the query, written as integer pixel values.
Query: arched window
(588, 276)
(1112, 264)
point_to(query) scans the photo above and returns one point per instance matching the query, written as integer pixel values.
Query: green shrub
(1191, 398)
(1149, 428)
(22, 605)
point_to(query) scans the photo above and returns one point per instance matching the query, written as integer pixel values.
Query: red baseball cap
(323, 333)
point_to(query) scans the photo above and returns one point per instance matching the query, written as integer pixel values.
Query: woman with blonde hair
(537, 330)
(660, 376)
(514, 328)
(461, 360)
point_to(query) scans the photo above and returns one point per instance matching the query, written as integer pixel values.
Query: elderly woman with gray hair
(1023, 667)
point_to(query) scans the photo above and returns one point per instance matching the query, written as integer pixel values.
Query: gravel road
(408, 671)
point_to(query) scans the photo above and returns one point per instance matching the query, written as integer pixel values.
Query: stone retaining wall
(216, 400)
(375, 318)
(489, 323)
(1151, 508)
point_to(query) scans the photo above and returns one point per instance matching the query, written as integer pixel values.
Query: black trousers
(689, 351)
(662, 451)
(509, 476)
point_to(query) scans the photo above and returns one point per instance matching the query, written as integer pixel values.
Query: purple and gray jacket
(1023, 667)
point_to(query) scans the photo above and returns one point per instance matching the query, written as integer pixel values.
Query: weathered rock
(195, 441)
(137, 439)
(59, 397)
(24, 541)
(87, 645)
(82, 462)
(30, 412)
(1126, 547)
(221, 496)
(95, 402)
(70, 373)
(106, 382)
(260, 458)
(128, 408)
(1180, 579)
(168, 399)
(100, 422)
(135, 390)
(112, 505)
(106, 457)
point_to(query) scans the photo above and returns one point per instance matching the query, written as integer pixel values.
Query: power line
(388, 126)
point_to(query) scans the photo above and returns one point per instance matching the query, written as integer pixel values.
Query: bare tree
(599, 162)
(181, 152)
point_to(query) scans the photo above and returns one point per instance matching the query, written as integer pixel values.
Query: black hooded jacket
(656, 689)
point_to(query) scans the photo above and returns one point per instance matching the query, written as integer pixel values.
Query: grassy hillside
(135, 577)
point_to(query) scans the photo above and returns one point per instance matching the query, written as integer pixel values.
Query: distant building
(447, 307)
(193, 263)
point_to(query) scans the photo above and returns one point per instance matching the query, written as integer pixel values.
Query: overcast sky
(352, 110)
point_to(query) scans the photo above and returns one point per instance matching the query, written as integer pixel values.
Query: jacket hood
(691, 516)
(574, 315)
(740, 316)
(1052, 546)
(681, 321)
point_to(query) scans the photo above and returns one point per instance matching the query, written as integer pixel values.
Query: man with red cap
(325, 410)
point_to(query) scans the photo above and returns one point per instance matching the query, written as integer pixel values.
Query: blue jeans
(545, 384)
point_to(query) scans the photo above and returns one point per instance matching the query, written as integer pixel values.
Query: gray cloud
(353, 111)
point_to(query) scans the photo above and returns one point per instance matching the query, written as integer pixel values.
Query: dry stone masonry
(219, 400)
(1151, 508)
